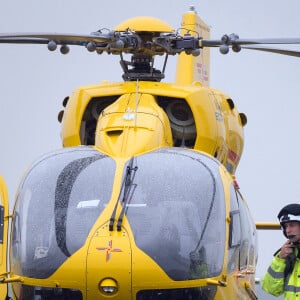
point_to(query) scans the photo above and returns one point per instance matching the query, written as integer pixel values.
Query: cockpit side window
(248, 242)
(242, 242)
(234, 232)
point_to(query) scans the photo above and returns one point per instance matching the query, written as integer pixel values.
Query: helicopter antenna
(193, 8)
(136, 101)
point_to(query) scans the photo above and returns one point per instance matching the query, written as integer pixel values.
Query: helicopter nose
(109, 265)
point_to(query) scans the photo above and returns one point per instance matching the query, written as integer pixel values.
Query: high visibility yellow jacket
(274, 282)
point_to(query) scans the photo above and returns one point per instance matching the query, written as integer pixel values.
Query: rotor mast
(141, 66)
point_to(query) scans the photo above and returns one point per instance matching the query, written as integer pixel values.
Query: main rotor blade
(22, 41)
(275, 50)
(43, 38)
(268, 41)
(241, 42)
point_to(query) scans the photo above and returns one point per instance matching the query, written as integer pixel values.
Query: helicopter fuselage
(141, 202)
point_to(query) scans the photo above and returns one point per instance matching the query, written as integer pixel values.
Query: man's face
(293, 229)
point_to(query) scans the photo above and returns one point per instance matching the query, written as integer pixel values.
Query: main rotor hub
(144, 24)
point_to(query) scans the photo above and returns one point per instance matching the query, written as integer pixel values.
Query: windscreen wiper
(126, 193)
(129, 188)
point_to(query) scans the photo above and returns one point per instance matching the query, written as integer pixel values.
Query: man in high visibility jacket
(283, 275)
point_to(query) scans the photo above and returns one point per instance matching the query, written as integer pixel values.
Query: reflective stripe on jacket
(275, 284)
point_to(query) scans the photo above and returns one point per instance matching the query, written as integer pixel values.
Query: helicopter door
(109, 264)
(3, 234)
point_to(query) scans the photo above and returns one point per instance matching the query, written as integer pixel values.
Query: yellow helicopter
(142, 202)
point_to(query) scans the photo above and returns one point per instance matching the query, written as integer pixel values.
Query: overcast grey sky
(34, 82)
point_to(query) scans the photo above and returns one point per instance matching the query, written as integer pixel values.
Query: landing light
(108, 286)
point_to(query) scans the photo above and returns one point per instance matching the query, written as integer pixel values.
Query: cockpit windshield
(177, 213)
(58, 202)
